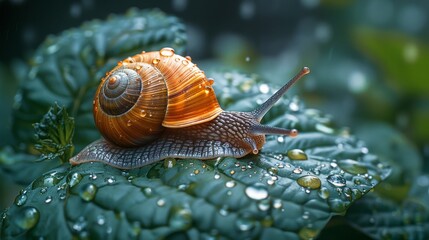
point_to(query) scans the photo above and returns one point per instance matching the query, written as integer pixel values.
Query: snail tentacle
(260, 112)
(263, 129)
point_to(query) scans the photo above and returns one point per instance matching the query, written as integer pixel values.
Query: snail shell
(159, 105)
(148, 92)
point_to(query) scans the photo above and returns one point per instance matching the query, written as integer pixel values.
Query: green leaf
(288, 191)
(403, 59)
(67, 68)
(54, 135)
(22, 168)
(393, 147)
(382, 218)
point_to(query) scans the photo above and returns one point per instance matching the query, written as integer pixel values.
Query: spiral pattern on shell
(150, 91)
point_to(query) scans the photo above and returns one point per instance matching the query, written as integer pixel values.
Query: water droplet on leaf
(297, 154)
(27, 217)
(245, 224)
(169, 162)
(324, 193)
(309, 181)
(88, 191)
(160, 202)
(180, 218)
(230, 184)
(352, 166)
(21, 199)
(256, 191)
(110, 179)
(336, 180)
(48, 199)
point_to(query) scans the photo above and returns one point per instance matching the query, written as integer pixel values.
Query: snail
(158, 105)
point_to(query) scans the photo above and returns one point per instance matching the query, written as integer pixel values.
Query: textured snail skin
(159, 105)
(227, 135)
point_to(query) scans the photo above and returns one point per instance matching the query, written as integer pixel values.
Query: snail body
(159, 105)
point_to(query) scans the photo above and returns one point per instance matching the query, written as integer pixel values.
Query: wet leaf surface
(289, 191)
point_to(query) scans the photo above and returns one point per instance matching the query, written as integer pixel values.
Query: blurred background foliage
(369, 61)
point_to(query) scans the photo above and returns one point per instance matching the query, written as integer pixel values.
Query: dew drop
(101, 220)
(264, 88)
(62, 196)
(48, 199)
(223, 211)
(307, 233)
(277, 203)
(27, 217)
(297, 170)
(88, 191)
(169, 162)
(293, 106)
(43, 190)
(147, 191)
(110, 179)
(309, 181)
(177, 59)
(210, 81)
(79, 225)
(323, 193)
(232, 172)
(48, 180)
(245, 224)
(216, 176)
(196, 171)
(337, 205)
(256, 191)
(188, 58)
(352, 166)
(230, 184)
(129, 123)
(180, 218)
(185, 62)
(336, 180)
(167, 52)
(20, 199)
(264, 205)
(296, 154)
(155, 61)
(160, 202)
(93, 176)
(273, 171)
(183, 187)
(333, 164)
(324, 129)
(280, 139)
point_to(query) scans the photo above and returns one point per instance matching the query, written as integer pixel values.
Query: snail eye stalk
(260, 112)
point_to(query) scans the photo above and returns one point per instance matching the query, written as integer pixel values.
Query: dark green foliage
(289, 191)
(54, 135)
(382, 218)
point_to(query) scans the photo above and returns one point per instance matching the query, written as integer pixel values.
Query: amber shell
(150, 91)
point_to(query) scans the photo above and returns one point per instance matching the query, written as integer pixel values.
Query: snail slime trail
(158, 105)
